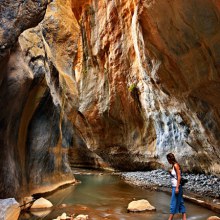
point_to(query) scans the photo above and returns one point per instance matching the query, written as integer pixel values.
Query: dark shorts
(177, 203)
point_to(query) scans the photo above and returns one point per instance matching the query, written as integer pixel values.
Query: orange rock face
(148, 79)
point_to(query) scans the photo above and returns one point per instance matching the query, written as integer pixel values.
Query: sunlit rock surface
(119, 83)
(148, 80)
(140, 206)
(41, 203)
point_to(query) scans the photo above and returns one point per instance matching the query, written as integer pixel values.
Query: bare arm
(178, 174)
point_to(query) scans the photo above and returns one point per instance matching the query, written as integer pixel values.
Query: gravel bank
(200, 184)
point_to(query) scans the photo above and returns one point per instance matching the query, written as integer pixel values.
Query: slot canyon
(114, 85)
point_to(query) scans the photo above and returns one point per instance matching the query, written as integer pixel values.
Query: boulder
(9, 209)
(41, 204)
(213, 218)
(140, 205)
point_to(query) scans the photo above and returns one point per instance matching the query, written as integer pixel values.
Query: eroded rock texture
(149, 82)
(16, 16)
(119, 83)
(35, 133)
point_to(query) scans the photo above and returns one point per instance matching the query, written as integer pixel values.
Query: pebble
(201, 184)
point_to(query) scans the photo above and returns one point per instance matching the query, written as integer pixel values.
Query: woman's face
(169, 160)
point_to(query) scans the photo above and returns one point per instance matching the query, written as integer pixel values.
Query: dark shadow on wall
(82, 157)
(46, 148)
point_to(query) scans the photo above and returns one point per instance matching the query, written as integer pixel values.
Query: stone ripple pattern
(201, 184)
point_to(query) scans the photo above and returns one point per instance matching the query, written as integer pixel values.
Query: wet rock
(27, 202)
(213, 218)
(63, 216)
(9, 209)
(196, 183)
(41, 203)
(81, 217)
(217, 201)
(40, 213)
(140, 205)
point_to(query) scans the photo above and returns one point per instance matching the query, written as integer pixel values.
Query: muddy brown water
(106, 196)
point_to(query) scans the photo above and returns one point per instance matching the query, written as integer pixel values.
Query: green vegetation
(105, 70)
(90, 12)
(132, 87)
(84, 71)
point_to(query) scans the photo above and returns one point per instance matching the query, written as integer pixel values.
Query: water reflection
(107, 197)
(41, 213)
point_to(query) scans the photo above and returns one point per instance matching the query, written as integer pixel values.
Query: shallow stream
(106, 196)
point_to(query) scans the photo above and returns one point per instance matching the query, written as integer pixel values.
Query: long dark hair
(171, 158)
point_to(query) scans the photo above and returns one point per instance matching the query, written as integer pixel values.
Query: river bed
(102, 195)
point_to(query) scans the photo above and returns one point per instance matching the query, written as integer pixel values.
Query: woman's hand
(177, 190)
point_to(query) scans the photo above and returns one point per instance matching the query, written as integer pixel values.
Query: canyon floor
(201, 189)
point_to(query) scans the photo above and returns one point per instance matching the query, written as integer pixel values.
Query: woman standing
(176, 203)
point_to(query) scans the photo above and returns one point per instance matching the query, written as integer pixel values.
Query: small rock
(81, 217)
(217, 201)
(140, 205)
(63, 216)
(41, 203)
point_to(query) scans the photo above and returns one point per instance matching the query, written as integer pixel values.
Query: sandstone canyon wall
(116, 84)
(34, 132)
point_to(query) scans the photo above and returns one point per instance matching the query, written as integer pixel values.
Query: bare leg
(171, 217)
(184, 216)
